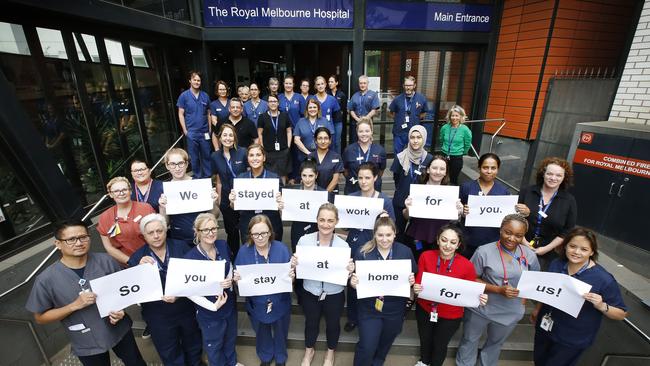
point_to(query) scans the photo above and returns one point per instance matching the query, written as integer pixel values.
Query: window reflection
(52, 43)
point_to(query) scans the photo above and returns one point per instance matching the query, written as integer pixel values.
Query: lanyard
(205, 254)
(313, 126)
(274, 123)
(521, 260)
(266, 260)
(414, 167)
(318, 239)
(408, 102)
(229, 164)
(359, 154)
(142, 197)
(390, 254)
(542, 208)
(163, 267)
(263, 174)
(451, 261)
(582, 269)
(451, 138)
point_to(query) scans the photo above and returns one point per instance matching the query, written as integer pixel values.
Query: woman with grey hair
(174, 331)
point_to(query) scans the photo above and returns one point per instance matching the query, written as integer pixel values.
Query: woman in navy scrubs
(145, 189)
(308, 182)
(216, 315)
(220, 107)
(409, 165)
(256, 156)
(368, 174)
(305, 88)
(174, 330)
(255, 107)
(303, 135)
(424, 231)
(362, 151)
(227, 163)
(329, 162)
(292, 103)
(329, 106)
(269, 314)
(339, 118)
(180, 225)
(567, 338)
(379, 325)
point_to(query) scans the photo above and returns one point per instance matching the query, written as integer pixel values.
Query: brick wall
(586, 35)
(632, 103)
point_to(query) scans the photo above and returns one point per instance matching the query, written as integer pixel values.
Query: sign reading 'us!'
(279, 13)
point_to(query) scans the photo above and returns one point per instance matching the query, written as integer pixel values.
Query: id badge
(328, 117)
(379, 304)
(542, 214)
(434, 317)
(404, 125)
(137, 218)
(417, 172)
(206, 135)
(269, 307)
(258, 211)
(407, 119)
(322, 296)
(546, 323)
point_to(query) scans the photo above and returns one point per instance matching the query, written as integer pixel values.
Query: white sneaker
(420, 363)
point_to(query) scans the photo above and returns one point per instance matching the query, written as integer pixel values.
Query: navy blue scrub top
(329, 107)
(476, 236)
(150, 197)
(160, 310)
(393, 306)
(343, 104)
(353, 157)
(294, 107)
(358, 237)
(196, 111)
(363, 104)
(413, 106)
(306, 132)
(403, 182)
(332, 163)
(181, 226)
(245, 216)
(253, 113)
(256, 305)
(223, 253)
(219, 110)
(228, 170)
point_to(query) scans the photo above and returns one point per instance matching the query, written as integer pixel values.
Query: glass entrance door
(444, 77)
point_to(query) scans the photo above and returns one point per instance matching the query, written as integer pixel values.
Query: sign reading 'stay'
(256, 194)
(358, 212)
(264, 279)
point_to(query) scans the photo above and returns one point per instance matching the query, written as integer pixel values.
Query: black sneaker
(349, 326)
(146, 334)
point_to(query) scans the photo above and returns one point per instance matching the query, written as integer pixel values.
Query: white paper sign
(325, 264)
(302, 205)
(122, 289)
(489, 211)
(383, 278)
(256, 194)
(556, 289)
(434, 201)
(185, 196)
(264, 279)
(358, 212)
(194, 277)
(449, 290)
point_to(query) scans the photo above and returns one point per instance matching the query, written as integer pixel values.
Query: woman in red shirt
(437, 323)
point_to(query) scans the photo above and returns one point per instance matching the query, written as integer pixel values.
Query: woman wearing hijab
(409, 165)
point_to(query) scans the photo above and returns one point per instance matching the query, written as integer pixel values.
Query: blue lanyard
(390, 254)
(229, 164)
(163, 267)
(263, 174)
(313, 126)
(565, 270)
(451, 138)
(268, 258)
(275, 123)
(451, 261)
(542, 208)
(521, 259)
(142, 197)
(408, 102)
(414, 167)
(217, 255)
(359, 154)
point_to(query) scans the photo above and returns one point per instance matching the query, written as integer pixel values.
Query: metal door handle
(620, 190)
(611, 188)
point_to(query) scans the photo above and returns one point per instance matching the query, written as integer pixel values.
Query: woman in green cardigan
(456, 139)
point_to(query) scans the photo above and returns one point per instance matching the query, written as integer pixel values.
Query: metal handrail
(637, 329)
(86, 216)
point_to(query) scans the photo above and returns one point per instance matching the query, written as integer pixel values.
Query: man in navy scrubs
(193, 114)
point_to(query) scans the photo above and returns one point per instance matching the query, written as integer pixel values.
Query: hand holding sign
(383, 278)
(434, 201)
(358, 212)
(188, 196)
(325, 264)
(256, 194)
(302, 205)
(489, 211)
(556, 289)
(450, 290)
(264, 279)
(190, 277)
(127, 287)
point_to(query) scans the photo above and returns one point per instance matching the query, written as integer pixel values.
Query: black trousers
(434, 337)
(332, 308)
(455, 166)
(126, 349)
(231, 225)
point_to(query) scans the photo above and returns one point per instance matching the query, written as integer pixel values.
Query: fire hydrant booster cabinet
(611, 163)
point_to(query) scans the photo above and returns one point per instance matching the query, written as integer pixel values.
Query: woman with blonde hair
(360, 152)
(456, 139)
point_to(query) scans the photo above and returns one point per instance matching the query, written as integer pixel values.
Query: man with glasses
(193, 105)
(246, 129)
(62, 293)
(119, 224)
(407, 109)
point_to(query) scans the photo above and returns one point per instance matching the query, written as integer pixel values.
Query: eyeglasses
(261, 235)
(120, 191)
(139, 170)
(209, 230)
(72, 241)
(180, 164)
